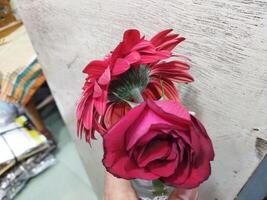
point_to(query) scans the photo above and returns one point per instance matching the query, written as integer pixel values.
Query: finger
(184, 194)
(118, 189)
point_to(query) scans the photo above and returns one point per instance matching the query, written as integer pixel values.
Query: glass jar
(151, 190)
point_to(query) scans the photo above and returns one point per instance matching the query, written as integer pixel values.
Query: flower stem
(137, 95)
(159, 189)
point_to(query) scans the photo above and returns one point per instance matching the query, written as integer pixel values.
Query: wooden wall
(226, 41)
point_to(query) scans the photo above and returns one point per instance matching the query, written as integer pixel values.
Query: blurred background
(38, 159)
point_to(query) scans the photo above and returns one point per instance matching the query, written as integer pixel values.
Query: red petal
(96, 67)
(182, 172)
(202, 139)
(173, 70)
(151, 58)
(130, 38)
(151, 92)
(156, 85)
(100, 102)
(105, 77)
(170, 90)
(97, 124)
(157, 39)
(97, 90)
(163, 170)
(119, 129)
(170, 45)
(158, 150)
(133, 57)
(116, 53)
(171, 110)
(142, 45)
(115, 112)
(88, 113)
(121, 65)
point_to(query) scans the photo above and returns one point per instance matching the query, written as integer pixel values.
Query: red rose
(159, 140)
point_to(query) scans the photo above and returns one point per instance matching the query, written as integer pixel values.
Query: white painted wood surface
(225, 39)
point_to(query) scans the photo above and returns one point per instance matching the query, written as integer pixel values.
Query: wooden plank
(6, 30)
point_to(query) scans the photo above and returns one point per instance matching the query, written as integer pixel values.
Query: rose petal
(115, 137)
(118, 166)
(201, 144)
(163, 168)
(170, 110)
(182, 173)
(173, 153)
(141, 127)
(197, 176)
(137, 172)
(153, 151)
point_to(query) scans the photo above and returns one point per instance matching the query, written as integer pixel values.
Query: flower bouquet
(149, 137)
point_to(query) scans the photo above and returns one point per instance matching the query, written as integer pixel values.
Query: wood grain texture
(226, 41)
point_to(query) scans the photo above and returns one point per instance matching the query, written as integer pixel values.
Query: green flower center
(134, 79)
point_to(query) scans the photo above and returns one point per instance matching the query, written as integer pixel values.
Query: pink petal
(141, 127)
(117, 53)
(151, 58)
(97, 90)
(133, 57)
(88, 114)
(101, 101)
(121, 65)
(114, 138)
(142, 45)
(105, 77)
(170, 110)
(96, 67)
(80, 106)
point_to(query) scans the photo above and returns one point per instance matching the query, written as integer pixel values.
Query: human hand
(118, 189)
(121, 189)
(184, 194)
